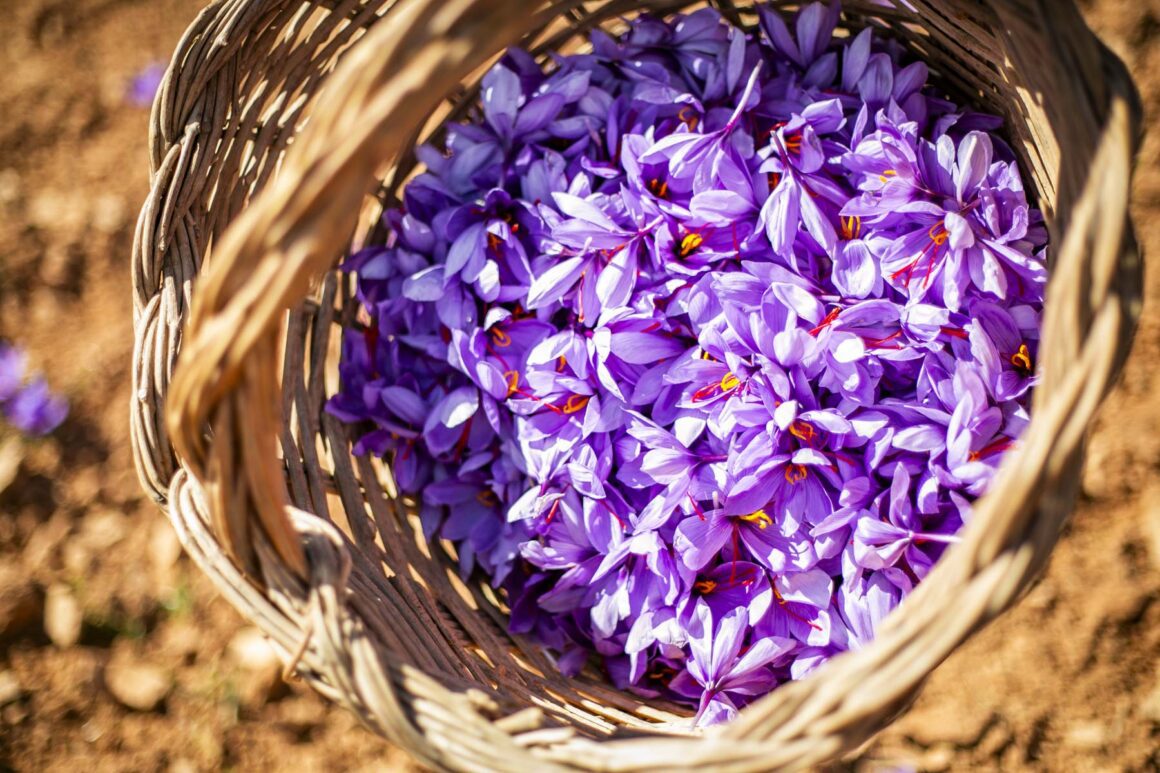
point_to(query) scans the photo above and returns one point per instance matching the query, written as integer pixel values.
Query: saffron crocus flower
(732, 585)
(604, 269)
(951, 247)
(881, 543)
(1006, 352)
(801, 611)
(718, 666)
(700, 345)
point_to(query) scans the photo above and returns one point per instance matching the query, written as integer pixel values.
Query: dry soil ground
(115, 654)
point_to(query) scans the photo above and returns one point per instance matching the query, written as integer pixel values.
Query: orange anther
(851, 227)
(795, 473)
(705, 587)
(938, 233)
(575, 403)
(688, 116)
(1022, 361)
(803, 431)
(689, 244)
(513, 381)
(759, 517)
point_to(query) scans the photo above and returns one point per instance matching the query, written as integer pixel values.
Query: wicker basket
(315, 105)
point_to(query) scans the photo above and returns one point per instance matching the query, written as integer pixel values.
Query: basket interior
(408, 591)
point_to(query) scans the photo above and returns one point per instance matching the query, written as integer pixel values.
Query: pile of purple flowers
(701, 345)
(30, 407)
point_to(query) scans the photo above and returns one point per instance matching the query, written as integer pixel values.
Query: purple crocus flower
(719, 667)
(144, 85)
(1005, 350)
(34, 410)
(31, 407)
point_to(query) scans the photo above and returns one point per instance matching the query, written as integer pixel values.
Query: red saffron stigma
(878, 343)
(696, 507)
(954, 332)
(995, 447)
(826, 321)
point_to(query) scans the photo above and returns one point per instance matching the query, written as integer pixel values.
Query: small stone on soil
(11, 455)
(104, 529)
(10, 689)
(261, 680)
(251, 650)
(1087, 736)
(62, 616)
(138, 686)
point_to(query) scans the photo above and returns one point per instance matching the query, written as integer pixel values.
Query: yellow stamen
(513, 381)
(886, 175)
(851, 227)
(705, 587)
(690, 243)
(1022, 360)
(729, 381)
(803, 431)
(938, 233)
(688, 117)
(575, 403)
(561, 363)
(704, 355)
(759, 517)
(658, 188)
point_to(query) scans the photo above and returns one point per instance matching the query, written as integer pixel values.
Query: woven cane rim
(350, 597)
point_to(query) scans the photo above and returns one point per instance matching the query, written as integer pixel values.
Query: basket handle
(222, 409)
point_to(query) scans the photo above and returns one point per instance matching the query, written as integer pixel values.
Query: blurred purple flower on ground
(35, 410)
(700, 345)
(31, 407)
(143, 87)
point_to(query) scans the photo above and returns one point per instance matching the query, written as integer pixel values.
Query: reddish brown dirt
(1067, 681)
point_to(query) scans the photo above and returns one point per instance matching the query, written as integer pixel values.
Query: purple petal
(555, 283)
(856, 271)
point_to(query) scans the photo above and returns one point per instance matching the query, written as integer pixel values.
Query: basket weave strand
(280, 123)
